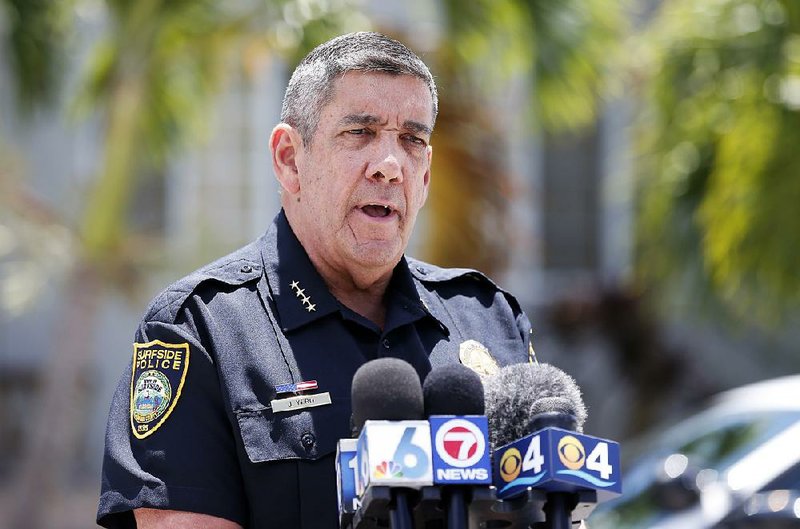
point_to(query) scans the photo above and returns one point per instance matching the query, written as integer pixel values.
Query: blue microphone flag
(557, 460)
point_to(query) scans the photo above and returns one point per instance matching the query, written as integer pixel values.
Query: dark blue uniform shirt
(191, 426)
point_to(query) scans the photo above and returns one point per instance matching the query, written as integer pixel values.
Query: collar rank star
(301, 293)
(299, 400)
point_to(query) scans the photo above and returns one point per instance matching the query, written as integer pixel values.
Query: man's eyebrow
(360, 119)
(417, 128)
(368, 119)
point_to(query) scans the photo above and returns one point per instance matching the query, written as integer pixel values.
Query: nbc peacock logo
(388, 469)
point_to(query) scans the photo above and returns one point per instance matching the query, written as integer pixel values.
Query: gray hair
(312, 83)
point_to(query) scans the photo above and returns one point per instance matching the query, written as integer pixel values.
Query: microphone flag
(460, 450)
(558, 460)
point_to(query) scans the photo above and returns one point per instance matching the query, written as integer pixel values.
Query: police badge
(477, 357)
(159, 371)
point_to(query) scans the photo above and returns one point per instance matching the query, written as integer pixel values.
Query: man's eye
(357, 132)
(415, 140)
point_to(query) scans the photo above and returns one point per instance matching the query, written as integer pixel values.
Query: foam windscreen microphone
(385, 389)
(536, 415)
(453, 389)
(520, 394)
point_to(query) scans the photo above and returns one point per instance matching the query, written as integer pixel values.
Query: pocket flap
(306, 434)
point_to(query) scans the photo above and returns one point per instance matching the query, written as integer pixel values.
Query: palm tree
(718, 164)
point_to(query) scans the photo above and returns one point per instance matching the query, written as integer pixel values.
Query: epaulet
(240, 267)
(427, 272)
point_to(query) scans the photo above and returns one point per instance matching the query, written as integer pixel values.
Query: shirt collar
(403, 304)
(300, 294)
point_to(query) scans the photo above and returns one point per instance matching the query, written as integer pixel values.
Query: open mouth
(377, 210)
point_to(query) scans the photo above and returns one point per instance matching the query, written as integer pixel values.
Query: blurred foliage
(151, 78)
(36, 34)
(154, 77)
(562, 53)
(718, 168)
(568, 48)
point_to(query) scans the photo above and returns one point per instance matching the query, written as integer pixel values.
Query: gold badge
(159, 372)
(476, 356)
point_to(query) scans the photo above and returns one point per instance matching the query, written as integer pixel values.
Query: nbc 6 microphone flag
(460, 450)
(394, 454)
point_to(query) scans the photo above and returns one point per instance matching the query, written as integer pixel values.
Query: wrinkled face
(364, 175)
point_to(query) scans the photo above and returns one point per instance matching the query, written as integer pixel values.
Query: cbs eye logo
(510, 465)
(571, 452)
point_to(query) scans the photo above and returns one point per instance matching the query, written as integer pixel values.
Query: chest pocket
(310, 433)
(307, 433)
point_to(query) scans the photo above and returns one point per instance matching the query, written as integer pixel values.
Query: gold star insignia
(311, 308)
(295, 285)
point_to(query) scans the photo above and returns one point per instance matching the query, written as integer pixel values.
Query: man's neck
(368, 303)
(364, 293)
(359, 288)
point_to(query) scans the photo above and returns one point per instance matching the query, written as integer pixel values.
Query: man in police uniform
(206, 428)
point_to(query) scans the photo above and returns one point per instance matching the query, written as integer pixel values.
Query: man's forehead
(367, 96)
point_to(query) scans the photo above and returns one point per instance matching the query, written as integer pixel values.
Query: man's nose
(386, 166)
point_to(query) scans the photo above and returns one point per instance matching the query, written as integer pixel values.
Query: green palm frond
(719, 172)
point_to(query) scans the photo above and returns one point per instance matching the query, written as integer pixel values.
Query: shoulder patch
(159, 372)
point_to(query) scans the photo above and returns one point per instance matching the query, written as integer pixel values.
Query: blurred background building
(628, 172)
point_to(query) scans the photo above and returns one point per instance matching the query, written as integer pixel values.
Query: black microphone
(388, 389)
(456, 390)
(453, 389)
(535, 415)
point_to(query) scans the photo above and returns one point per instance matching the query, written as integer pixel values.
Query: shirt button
(246, 269)
(386, 343)
(308, 440)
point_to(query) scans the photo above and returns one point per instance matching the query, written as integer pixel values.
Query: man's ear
(285, 144)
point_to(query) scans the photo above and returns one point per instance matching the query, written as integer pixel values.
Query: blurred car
(734, 465)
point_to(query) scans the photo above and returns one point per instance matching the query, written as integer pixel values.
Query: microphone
(394, 446)
(345, 464)
(386, 389)
(536, 415)
(454, 404)
(519, 393)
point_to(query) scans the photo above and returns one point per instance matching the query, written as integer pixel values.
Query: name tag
(300, 402)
